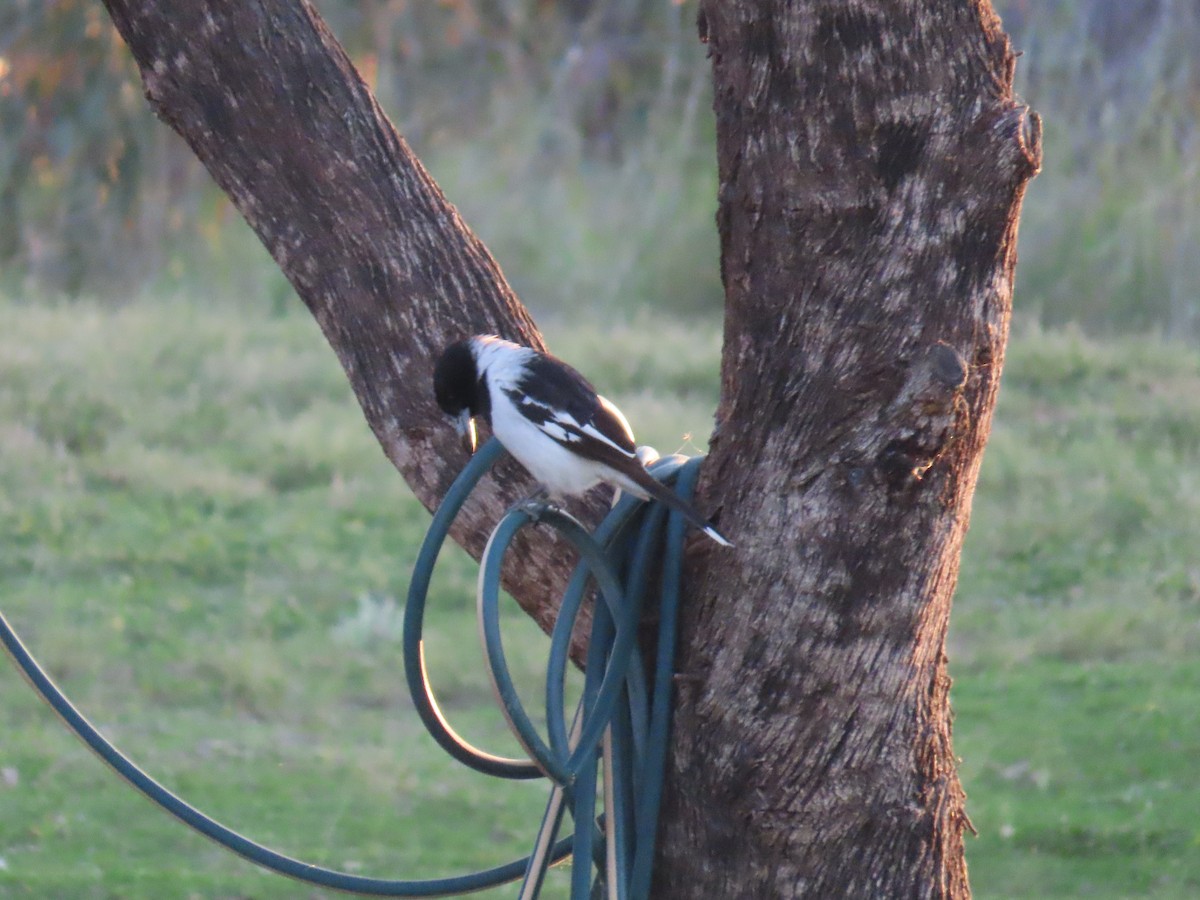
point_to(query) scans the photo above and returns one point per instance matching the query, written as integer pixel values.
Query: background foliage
(530, 113)
(577, 139)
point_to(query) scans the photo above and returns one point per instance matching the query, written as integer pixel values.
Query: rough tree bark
(872, 162)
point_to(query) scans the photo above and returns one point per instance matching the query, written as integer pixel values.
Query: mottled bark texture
(269, 102)
(872, 164)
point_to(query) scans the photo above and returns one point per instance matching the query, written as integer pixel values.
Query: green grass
(1082, 777)
(1076, 632)
(201, 540)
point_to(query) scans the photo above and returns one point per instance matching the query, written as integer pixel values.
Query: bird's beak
(464, 424)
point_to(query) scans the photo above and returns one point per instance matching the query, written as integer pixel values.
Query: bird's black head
(456, 380)
(460, 391)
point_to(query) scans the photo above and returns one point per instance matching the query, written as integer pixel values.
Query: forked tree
(872, 161)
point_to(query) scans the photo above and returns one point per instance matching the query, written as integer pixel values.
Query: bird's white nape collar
(503, 362)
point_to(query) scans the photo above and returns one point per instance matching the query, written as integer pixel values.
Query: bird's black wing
(567, 409)
(565, 406)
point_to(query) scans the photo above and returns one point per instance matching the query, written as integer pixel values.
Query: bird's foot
(537, 504)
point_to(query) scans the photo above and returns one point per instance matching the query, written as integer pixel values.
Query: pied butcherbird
(550, 418)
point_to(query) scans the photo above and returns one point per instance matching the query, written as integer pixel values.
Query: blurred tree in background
(1111, 232)
(83, 178)
(576, 137)
(96, 197)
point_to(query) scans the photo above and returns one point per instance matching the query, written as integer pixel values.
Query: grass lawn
(201, 540)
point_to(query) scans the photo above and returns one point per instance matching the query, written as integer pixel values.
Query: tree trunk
(872, 163)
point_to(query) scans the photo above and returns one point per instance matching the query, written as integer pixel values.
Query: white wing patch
(591, 432)
(619, 417)
(554, 423)
(526, 400)
(574, 432)
(556, 431)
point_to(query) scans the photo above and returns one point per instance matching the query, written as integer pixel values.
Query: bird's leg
(537, 504)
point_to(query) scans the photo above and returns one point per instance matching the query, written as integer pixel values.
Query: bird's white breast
(557, 468)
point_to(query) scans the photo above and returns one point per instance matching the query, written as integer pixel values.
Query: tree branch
(270, 103)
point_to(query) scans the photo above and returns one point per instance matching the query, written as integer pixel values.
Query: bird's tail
(648, 484)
